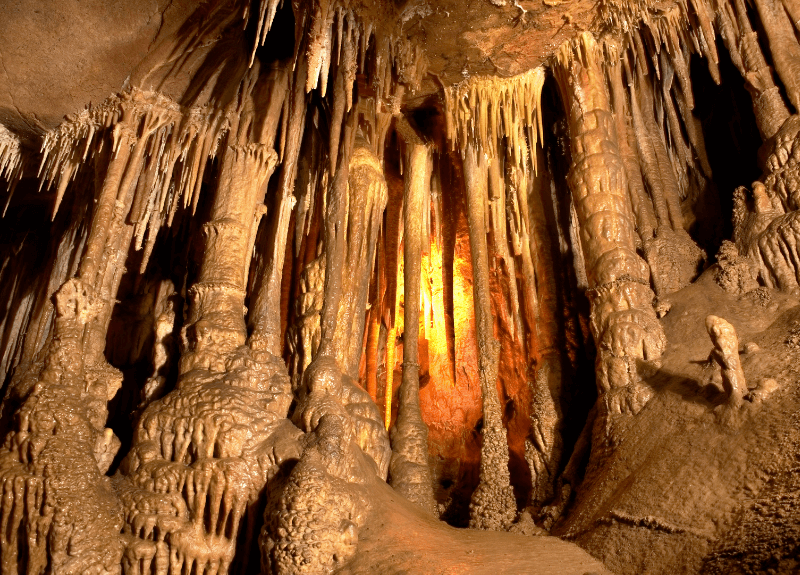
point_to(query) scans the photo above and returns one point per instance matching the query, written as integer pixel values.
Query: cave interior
(218, 216)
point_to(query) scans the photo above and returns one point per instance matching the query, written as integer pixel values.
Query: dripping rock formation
(399, 286)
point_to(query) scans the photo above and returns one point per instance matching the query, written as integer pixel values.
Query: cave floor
(400, 538)
(701, 485)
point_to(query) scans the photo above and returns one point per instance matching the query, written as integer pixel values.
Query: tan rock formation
(295, 230)
(623, 321)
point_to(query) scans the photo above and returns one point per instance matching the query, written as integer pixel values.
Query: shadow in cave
(732, 142)
(577, 358)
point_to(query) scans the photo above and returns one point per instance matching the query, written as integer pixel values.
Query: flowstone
(58, 510)
(312, 526)
(202, 456)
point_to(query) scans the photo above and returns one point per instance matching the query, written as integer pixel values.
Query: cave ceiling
(61, 56)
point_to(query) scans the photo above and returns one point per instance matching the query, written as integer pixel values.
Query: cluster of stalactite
(655, 114)
(10, 159)
(639, 171)
(644, 63)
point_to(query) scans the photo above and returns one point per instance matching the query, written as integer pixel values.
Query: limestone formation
(56, 497)
(736, 274)
(726, 354)
(409, 470)
(492, 505)
(623, 321)
(335, 286)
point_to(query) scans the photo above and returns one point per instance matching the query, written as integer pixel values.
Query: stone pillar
(623, 322)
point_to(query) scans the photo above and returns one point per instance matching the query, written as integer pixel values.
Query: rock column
(409, 469)
(493, 505)
(623, 322)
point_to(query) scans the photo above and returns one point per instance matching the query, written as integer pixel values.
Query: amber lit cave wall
(449, 386)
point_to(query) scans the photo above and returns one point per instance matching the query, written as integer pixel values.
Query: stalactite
(676, 140)
(410, 473)
(673, 256)
(493, 505)
(783, 45)
(264, 319)
(689, 26)
(663, 171)
(485, 110)
(649, 161)
(516, 188)
(768, 104)
(193, 486)
(646, 223)
(483, 114)
(10, 162)
(498, 220)
(266, 14)
(367, 196)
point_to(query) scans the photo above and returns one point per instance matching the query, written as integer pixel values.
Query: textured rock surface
(291, 279)
(623, 322)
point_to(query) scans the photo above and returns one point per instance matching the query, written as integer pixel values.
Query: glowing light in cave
(432, 325)
(440, 366)
(391, 339)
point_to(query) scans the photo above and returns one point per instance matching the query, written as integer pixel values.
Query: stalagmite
(199, 286)
(195, 471)
(338, 415)
(485, 115)
(410, 474)
(726, 354)
(92, 294)
(623, 322)
(58, 510)
(492, 505)
(543, 450)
